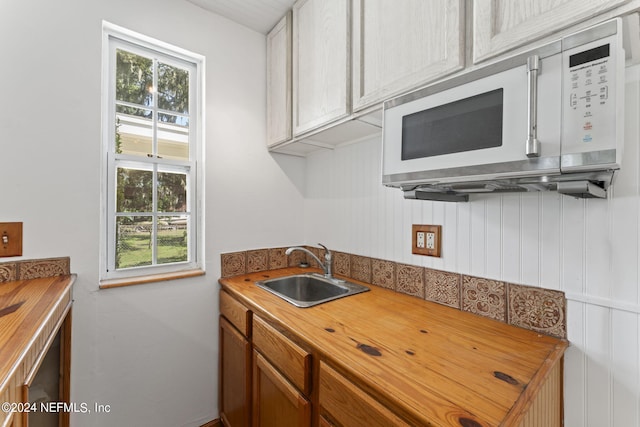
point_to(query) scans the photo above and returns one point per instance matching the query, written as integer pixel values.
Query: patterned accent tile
(277, 258)
(257, 260)
(410, 280)
(361, 268)
(442, 287)
(8, 272)
(383, 273)
(342, 264)
(537, 309)
(484, 297)
(233, 263)
(49, 267)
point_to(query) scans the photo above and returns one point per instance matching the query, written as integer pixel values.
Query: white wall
(587, 248)
(148, 351)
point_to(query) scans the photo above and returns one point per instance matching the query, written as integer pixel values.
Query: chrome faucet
(328, 256)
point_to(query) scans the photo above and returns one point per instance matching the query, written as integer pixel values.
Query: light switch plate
(426, 240)
(10, 239)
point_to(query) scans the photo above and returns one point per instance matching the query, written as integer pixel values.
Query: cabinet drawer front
(236, 313)
(349, 405)
(289, 358)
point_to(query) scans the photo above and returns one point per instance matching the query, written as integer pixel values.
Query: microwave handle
(533, 145)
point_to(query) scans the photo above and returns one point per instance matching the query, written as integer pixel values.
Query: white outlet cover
(431, 241)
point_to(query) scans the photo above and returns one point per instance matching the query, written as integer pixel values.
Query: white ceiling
(259, 15)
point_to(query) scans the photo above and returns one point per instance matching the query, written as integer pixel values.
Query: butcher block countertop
(435, 364)
(30, 310)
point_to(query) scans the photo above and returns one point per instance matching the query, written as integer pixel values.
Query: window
(152, 153)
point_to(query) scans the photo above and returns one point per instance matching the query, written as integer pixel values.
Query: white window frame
(115, 37)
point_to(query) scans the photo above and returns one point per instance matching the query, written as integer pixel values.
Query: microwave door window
(468, 124)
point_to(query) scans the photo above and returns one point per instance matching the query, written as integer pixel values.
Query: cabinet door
(235, 376)
(321, 46)
(279, 82)
(397, 47)
(276, 403)
(502, 25)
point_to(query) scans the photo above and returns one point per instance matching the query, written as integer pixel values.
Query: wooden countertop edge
(514, 415)
(519, 409)
(15, 363)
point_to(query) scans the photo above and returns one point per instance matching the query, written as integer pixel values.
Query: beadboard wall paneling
(587, 248)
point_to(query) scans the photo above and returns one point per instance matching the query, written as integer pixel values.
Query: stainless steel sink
(307, 290)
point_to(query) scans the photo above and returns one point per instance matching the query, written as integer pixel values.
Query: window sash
(157, 164)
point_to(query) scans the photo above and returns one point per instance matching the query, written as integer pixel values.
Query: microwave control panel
(591, 76)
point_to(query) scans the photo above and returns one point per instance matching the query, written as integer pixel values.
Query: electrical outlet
(10, 239)
(426, 240)
(431, 240)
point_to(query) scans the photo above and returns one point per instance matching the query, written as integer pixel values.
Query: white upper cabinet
(279, 82)
(501, 25)
(321, 47)
(398, 46)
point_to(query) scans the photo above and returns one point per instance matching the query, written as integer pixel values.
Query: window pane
(172, 240)
(134, 78)
(172, 192)
(134, 189)
(133, 131)
(173, 136)
(173, 89)
(133, 241)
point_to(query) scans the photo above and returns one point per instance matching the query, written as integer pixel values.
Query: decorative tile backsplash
(361, 268)
(34, 269)
(410, 280)
(342, 263)
(485, 297)
(8, 272)
(444, 287)
(383, 273)
(536, 309)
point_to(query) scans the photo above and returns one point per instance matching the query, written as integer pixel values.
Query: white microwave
(547, 119)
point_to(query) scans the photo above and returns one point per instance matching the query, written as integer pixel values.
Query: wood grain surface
(30, 310)
(432, 364)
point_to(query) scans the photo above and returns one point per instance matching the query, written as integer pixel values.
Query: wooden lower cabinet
(276, 402)
(235, 376)
(256, 391)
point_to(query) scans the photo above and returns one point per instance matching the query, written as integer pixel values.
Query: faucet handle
(327, 252)
(327, 261)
